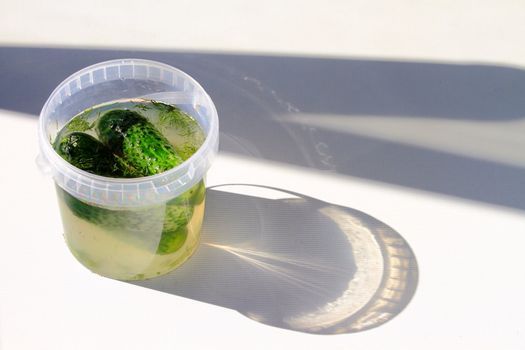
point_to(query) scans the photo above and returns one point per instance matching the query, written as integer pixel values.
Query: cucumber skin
(87, 153)
(140, 149)
(113, 125)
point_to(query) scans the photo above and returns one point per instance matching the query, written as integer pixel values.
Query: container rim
(207, 149)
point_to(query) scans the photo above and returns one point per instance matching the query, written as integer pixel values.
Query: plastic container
(114, 226)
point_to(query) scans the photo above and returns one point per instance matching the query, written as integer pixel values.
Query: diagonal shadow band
(453, 129)
(296, 263)
(314, 85)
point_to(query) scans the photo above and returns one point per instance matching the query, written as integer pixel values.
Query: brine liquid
(130, 249)
(105, 252)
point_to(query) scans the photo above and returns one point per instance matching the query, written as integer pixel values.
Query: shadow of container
(296, 263)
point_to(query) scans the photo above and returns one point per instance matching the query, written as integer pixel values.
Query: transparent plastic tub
(126, 228)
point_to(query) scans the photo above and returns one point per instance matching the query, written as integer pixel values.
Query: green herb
(173, 117)
(80, 122)
(186, 150)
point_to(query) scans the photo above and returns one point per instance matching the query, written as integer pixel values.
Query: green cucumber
(140, 149)
(171, 241)
(86, 153)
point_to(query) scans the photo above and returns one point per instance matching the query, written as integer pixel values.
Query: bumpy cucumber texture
(140, 149)
(86, 153)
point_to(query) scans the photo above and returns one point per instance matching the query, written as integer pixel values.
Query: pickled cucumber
(140, 149)
(87, 153)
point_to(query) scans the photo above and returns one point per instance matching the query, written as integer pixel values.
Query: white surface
(470, 254)
(482, 31)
